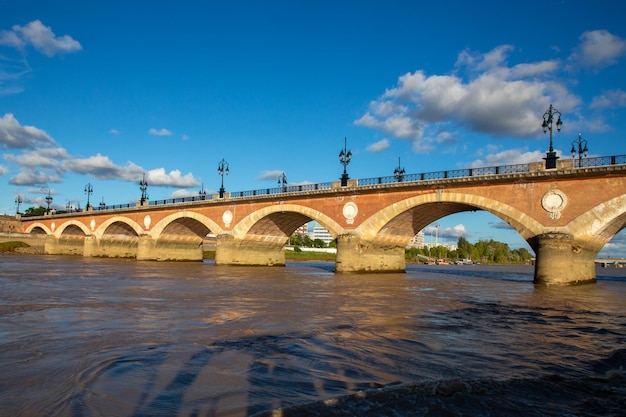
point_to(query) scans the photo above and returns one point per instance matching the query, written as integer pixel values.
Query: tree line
(484, 251)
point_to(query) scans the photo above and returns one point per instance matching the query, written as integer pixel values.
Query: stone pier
(357, 255)
(562, 260)
(232, 251)
(149, 249)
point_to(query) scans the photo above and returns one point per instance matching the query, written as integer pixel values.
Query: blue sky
(103, 92)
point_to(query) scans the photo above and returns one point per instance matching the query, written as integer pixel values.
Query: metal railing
(440, 175)
(600, 161)
(280, 190)
(407, 178)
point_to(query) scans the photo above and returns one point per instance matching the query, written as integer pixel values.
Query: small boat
(441, 262)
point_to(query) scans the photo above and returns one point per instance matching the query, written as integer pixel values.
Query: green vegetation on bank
(11, 246)
(298, 255)
(484, 251)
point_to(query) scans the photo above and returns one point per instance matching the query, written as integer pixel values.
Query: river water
(105, 337)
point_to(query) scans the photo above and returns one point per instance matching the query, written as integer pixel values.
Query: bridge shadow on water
(279, 373)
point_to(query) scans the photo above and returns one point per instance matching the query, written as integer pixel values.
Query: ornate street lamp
(548, 118)
(48, 201)
(102, 204)
(18, 201)
(202, 193)
(344, 159)
(68, 207)
(282, 182)
(143, 186)
(398, 172)
(582, 149)
(88, 191)
(222, 169)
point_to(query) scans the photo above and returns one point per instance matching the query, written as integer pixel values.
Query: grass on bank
(11, 246)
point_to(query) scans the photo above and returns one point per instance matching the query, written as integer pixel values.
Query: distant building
(417, 241)
(321, 233)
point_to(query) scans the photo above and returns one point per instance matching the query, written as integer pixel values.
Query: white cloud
(158, 177)
(42, 158)
(598, 49)
(185, 193)
(114, 131)
(33, 177)
(14, 135)
(502, 225)
(40, 37)
(609, 100)
(43, 190)
(379, 146)
(3, 170)
(509, 157)
(448, 233)
(494, 99)
(159, 132)
(101, 167)
(270, 175)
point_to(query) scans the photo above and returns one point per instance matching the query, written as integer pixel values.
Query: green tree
(32, 211)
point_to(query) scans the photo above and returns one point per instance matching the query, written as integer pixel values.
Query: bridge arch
(68, 225)
(261, 218)
(395, 223)
(198, 227)
(105, 228)
(601, 223)
(38, 226)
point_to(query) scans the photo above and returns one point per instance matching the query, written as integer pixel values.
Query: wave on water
(550, 395)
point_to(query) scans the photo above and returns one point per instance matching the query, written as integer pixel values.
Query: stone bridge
(566, 214)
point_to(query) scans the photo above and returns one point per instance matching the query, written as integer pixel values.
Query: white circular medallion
(553, 202)
(146, 221)
(350, 210)
(227, 217)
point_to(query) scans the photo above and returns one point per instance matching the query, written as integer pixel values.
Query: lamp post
(88, 191)
(222, 169)
(344, 158)
(548, 118)
(143, 186)
(48, 201)
(102, 204)
(202, 193)
(398, 172)
(18, 201)
(68, 207)
(282, 182)
(582, 149)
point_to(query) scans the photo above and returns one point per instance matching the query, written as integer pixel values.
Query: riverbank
(19, 247)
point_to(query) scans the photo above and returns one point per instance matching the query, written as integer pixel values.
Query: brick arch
(246, 225)
(102, 228)
(381, 224)
(601, 223)
(158, 229)
(41, 226)
(58, 233)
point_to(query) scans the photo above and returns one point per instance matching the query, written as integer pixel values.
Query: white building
(417, 241)
(320, 233)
